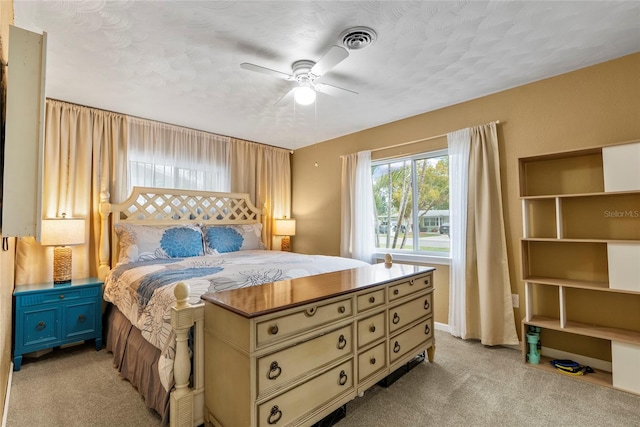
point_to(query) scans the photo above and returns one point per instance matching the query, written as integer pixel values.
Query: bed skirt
(136, 360)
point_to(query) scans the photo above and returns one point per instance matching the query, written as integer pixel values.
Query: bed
(162, 252)
(148, 253)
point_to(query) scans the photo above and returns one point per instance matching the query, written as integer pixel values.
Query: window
(161, 155)
(411, 198)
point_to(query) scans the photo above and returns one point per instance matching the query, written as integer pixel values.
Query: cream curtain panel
(265, 173)
(162, 155)
(87, 152)
(82, 145)
(357, 224)
(480, 289)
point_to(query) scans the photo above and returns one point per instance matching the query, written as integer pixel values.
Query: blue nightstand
(48, 315)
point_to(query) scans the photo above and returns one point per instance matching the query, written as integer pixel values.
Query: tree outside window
(411, 198)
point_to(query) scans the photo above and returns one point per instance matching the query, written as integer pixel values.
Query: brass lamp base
(61, 264)
(285, 244)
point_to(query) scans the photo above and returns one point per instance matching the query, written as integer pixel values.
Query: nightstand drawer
(80, 319)
(41, 326)
(58, 295)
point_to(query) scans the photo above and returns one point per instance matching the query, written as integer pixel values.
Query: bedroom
(590, 107)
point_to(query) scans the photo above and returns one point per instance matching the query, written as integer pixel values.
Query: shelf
(565, 240)
(599, 377)
(602, 332)
(578, 284)
(582, 284)
(568, 196)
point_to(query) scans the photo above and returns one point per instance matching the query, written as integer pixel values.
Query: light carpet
(468, 384)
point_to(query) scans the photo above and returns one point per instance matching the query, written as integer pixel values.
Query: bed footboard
(187, 403)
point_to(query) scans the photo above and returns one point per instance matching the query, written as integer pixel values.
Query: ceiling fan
(305, 73)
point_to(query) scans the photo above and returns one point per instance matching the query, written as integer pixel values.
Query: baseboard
(445, 327)
(442, 327)
(5, 412)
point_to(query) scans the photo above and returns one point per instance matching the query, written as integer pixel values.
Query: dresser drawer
(370, 329)
(409, 312)
(59, 295)
(410, 286)
(371, 361)
(308, 317)
(370, 300)
(304, 399)
(410, 339)
(279, 368)
(40, 326)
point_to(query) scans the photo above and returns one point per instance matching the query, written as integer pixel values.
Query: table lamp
(285, 227)
(61, 233)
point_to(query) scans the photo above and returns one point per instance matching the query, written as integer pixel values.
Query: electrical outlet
(515, 300)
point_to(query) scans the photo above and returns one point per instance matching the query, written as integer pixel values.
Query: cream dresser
(291, 352)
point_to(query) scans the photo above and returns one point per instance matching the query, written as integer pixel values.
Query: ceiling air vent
(358, 37)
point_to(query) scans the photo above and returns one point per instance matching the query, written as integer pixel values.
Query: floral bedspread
(143, 291)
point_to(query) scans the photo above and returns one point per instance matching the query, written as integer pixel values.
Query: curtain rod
(416, 141)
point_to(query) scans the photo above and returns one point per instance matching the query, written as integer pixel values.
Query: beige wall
(595, 106)
(6, 277)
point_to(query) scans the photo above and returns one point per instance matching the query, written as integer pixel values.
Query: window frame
(413, 255)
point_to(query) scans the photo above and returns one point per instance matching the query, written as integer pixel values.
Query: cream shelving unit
(581, 257)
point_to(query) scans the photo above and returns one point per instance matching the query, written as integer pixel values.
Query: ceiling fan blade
(330, 59)
(264, 70)
(286, 98)
(333, 90)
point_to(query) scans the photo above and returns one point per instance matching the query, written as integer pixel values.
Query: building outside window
(411, 196)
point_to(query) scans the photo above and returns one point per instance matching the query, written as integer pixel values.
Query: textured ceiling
(179, 61)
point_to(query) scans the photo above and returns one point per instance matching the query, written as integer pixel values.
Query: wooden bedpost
(103, 250)
(187, 404)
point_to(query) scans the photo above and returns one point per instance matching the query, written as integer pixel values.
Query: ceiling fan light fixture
(304, 95)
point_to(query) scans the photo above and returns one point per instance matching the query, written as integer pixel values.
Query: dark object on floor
(332, 418)
(395, 375)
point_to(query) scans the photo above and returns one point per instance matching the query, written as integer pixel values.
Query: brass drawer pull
(40, 326)
(274, 371)
(396, 292)
(310, 311)
(411, 282)
(343, 378)
(372, 361)
(426, 304)
(275, 415)
(427, 329)
(274, 330)
(372, 328)
(342, 342)
(61, 296)
(396, 347)
(341, 309)
(396, 318)
(426, 282)
(372, 300)
(81, 318)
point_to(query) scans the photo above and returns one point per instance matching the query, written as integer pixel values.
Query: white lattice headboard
(165, 206)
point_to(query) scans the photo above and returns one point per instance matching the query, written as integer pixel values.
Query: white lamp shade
(284, 227)
(62, 231)
(304, 95)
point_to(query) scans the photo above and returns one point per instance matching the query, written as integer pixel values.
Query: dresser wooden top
(272, 297)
